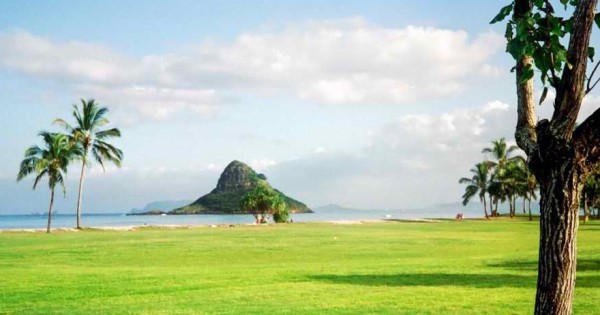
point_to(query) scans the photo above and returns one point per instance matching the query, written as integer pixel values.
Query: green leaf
(544, 94)
(597, 19)
(504, 12)
(560, 55)
(508, 34)
(527, 74)
(591, 52)
(564, 2)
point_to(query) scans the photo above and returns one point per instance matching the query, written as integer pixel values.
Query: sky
(365, 104)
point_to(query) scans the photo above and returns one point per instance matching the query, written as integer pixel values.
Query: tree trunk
(559, 215)
(524, 210)
(496, 210)
(80, 196)
(485, 207)
(50, 210)
(529, 207)
(586, 210)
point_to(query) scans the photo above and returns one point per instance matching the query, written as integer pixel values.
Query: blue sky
(369, 104)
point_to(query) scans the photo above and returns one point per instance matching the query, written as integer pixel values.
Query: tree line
(504, 177)
(85, 141)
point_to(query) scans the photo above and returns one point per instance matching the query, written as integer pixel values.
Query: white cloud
(332, 62)
(414, 160)
(261, 165)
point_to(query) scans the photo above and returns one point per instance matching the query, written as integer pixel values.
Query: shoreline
(133, 228)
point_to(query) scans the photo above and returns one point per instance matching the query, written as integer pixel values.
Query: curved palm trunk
(485, 207)
(80, 196)
(529, 207)
(50, 210)
(559, 218)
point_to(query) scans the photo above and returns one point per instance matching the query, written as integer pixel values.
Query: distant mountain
(236, 180)
(163, 205)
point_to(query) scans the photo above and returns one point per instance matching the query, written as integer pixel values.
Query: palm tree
(51, 161)
(500, 152)
(500, 182)
(477, 184)
(87, 132)
(532, 186)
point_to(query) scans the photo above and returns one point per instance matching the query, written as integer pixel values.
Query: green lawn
(470, 267)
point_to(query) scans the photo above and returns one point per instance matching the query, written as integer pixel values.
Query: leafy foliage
(503, 178)
(263, 201)
(87, 134)
(51, 161)
(536, 30)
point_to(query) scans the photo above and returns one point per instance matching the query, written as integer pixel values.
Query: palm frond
(109, 152)
(65, 125)
(39, 177)
(114, 132)
(470, 191)
(465, 180)
(97, 156)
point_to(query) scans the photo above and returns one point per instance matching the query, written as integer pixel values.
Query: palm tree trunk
(80, 196)
(524, 209)
(586, 210)
(50, 210)
(529, 207)
(485, 207)
(496, 209)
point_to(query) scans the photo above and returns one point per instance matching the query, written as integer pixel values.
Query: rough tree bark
(561, 160)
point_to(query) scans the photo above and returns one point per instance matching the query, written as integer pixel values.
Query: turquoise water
(118, 219)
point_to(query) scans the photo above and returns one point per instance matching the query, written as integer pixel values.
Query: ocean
(120, 219)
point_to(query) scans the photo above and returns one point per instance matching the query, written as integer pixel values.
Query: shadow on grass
(531, 265)
(442, 279)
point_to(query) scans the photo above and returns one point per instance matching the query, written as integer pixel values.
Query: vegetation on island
(263, 201)
(237, 180)
(560, 153)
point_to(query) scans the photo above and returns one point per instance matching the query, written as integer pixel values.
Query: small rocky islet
(236, 180)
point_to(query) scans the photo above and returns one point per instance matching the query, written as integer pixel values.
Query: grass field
(469, 267)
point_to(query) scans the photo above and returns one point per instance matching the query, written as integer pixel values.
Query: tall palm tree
(87, 132)
(532, 187)
(477, 184)
(500, 181)
(500, 152)
(50, 161)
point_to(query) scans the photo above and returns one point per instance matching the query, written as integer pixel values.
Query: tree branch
(590, 88)
(587, 137)
(525, 134)
(570, 90)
